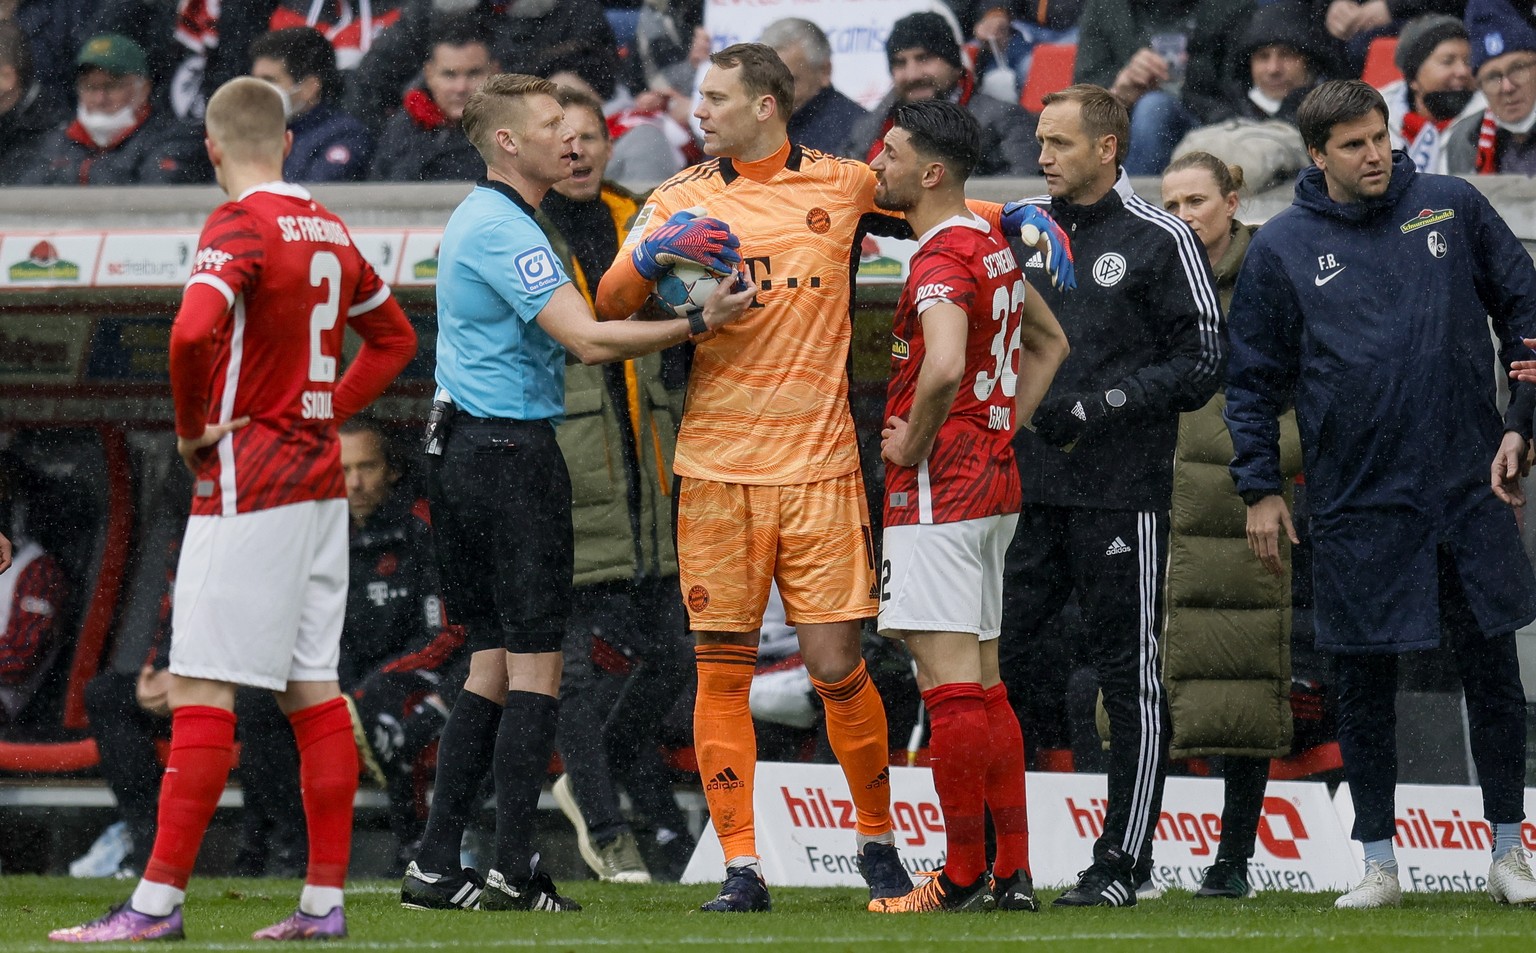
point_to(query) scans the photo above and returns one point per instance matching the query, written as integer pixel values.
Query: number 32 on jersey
(1008, 312)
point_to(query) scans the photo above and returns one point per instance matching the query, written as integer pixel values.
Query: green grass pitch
(221, 914)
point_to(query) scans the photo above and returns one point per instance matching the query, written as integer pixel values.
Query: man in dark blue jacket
(1367, 305)
(329, 145)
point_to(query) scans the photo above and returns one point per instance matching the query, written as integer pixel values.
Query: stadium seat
(1050, 70)
(1380, 69)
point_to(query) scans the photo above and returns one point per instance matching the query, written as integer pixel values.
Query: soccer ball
(684, 288)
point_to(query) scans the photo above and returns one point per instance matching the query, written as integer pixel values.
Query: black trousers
(501, 515)
(1490, 678)
(609, 722)
(1114, 561)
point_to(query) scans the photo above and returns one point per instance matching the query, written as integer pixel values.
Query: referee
(499, 488)
(1097, 472)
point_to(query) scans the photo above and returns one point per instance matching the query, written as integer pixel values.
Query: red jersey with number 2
(293, 279)
(970, 472)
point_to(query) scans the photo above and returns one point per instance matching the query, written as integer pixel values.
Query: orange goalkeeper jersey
(768, 396)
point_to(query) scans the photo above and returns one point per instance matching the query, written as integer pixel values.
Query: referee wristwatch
(696, 324)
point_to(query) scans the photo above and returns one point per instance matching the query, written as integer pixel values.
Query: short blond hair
(245, 118)
(493, 106)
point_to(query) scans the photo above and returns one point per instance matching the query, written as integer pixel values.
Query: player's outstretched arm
(567, 319)
(389, 343)
(1042, 349)
(907, 443)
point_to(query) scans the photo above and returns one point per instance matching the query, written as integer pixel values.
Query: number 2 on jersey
(1005, 346)
(324, 269)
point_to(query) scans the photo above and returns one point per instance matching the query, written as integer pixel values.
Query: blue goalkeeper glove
(1019, 217)
(685, 236)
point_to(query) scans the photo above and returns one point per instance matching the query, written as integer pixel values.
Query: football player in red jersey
(973, 352)
(262, 582)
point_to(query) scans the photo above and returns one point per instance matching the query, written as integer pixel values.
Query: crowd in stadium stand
(111, 92)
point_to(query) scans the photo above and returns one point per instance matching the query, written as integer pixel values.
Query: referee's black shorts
(501, 514)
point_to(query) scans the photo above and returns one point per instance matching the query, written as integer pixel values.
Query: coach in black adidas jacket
(1145, 329)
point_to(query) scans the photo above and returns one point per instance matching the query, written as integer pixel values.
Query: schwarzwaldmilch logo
(44, 264)
(426, 269)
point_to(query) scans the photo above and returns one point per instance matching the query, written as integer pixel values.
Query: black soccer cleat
(536, 893)
(742, 892)
(1015, 892)
(880, 866)
(1099, 886)
(1227, 879)
(423, 891)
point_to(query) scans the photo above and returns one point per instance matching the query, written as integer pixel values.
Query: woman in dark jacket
(1226, 644)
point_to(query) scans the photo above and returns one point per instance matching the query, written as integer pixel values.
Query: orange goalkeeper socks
(857, 730)
(725, 742)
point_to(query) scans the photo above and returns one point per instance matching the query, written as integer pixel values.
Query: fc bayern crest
(1109, 269)
(1436, 243)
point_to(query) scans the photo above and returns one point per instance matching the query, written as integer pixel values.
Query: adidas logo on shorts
(725, 781)
(1117, 547)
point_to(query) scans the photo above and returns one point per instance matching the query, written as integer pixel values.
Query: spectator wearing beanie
(925, 62)
(117, 136)
(328, 144)
(1437, 89)
(1498, 140)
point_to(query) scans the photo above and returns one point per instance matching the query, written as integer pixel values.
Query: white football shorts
(260, 597)
(945, 577)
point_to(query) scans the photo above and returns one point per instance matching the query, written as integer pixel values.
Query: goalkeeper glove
(685, 236)
(1019, 218)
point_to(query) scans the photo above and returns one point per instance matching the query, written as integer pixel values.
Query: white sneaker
(1378, 888)
(1510, 879)
(616, 862)
(1148, 890)
(112, 847)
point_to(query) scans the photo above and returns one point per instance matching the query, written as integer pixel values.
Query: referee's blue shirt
(495, 273)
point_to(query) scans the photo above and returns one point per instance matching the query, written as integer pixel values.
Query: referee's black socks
(464, 755)
(523, 748)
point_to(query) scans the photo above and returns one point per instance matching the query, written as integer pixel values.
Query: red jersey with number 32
(970, 472)
(292, 277)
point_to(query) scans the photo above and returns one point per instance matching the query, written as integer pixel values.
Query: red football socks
(958, 749)
(202, 752)
(328, 775)
(1005, 784)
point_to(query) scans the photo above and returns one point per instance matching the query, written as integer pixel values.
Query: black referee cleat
(1015, 892)
(742, 892)
(536, 893)
(423, 891)
(881, 868)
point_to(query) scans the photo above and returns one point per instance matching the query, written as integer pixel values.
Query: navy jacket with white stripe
(1372, 318)
(1144, 319)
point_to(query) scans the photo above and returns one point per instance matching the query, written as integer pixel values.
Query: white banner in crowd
(1442, 841)
(856, 29)
(805, 830)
